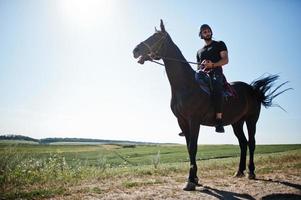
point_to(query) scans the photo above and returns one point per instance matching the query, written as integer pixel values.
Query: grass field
(42, 171)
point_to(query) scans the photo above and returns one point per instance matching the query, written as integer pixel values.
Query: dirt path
(278, 177)
(270, 186)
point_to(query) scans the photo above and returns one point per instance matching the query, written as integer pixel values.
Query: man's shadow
(222, 194)
(294, 185)
(282, 196)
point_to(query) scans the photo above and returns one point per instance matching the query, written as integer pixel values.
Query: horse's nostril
(136, 49)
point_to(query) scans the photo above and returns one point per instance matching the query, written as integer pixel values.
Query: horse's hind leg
(243, 143)
(251, 125)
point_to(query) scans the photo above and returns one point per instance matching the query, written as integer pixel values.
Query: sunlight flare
(85, 13)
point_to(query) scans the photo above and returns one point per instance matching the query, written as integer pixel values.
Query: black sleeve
(222, 46)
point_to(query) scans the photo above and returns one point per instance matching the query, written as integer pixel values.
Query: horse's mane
(180, 55)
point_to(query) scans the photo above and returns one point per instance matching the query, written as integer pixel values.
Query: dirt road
(270, 186)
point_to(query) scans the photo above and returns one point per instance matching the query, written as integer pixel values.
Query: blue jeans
(217, 79)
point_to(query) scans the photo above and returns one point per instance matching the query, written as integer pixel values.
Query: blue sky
(67, 70)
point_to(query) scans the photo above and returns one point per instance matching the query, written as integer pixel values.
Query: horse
(193, 107)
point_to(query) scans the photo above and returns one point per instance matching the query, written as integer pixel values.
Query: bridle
(154, 53)
(155, 48)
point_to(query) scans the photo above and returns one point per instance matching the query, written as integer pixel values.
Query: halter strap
(153, 53)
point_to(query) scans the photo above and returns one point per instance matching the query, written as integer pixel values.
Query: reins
(154, 53)
(174, 59)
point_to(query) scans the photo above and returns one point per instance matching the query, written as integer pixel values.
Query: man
(211, 58)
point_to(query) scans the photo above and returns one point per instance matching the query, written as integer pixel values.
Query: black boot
(219, 128)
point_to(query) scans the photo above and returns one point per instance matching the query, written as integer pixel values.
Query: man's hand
(208, 64)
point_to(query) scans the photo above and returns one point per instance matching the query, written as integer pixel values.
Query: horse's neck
(180, 74)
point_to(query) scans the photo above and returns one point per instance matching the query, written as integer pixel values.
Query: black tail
(263, 86)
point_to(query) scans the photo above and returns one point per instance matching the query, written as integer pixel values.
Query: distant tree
(17, 137)
(127, 144)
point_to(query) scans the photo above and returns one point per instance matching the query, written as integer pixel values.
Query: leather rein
(153, 53)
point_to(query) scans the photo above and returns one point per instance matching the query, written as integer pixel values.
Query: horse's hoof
(190, 186)
(239, 174)
(196, 182)
(251, 176)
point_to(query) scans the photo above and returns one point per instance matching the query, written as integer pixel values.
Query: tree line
(75, 140)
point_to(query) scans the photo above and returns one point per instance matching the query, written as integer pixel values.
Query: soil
(278, 186)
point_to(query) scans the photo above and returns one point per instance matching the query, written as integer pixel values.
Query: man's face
(206, 33)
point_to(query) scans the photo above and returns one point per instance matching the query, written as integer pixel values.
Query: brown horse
(193, 108)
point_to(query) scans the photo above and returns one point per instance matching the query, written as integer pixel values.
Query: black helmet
(203, 27)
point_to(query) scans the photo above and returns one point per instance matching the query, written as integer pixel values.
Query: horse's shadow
(223, 194)
(294, 185)
(278, 196)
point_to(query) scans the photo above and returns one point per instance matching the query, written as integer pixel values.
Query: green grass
(31, 170)
(117, 155)
(39, 193)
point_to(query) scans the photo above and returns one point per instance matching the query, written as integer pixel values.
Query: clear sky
(67, 69)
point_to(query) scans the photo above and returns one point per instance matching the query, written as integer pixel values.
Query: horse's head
(152, 48)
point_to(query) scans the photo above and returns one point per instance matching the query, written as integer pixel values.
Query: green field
(135, 155)
(27, 169)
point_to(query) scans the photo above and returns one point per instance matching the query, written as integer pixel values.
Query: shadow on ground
(223, 194)
(282, 197)
(294, 185)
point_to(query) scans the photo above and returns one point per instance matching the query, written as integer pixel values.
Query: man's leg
(218, 101)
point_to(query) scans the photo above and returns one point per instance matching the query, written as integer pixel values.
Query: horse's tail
(262, 87)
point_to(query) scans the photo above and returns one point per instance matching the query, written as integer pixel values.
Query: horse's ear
(156, 29)
(162, 25)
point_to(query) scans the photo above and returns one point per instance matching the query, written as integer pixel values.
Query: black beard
(209, 38)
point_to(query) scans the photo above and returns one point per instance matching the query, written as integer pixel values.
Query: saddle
(205, 83)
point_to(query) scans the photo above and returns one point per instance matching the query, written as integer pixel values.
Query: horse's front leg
(184, 125)
(192, 138)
